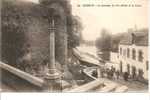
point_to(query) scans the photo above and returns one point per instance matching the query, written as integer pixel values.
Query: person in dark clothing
(112, 71)
(125, 76)
(94, 73)
(134, 75)
(108, 73)
(102, 71)
(117, 74)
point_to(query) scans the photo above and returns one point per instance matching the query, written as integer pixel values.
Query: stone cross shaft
(52, 49)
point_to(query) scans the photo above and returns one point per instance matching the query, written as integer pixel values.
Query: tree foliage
(115, 39)
(26, 22)
(103, 43)
(75, 36)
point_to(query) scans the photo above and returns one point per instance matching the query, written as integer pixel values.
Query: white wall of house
(143, 65)
(114, 62)
(114, 57)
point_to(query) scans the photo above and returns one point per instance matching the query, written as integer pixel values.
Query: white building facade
(114, 61)
(133, 56)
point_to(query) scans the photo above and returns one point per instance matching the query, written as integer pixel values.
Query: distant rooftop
(139, 37)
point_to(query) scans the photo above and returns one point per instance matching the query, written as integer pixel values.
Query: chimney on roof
(133, 37)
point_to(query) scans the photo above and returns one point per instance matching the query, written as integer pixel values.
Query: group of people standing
(112, 73)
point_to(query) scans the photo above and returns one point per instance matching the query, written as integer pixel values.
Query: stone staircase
(101, 85)
(110, 86)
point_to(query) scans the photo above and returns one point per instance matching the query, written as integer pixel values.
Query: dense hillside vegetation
(25, 25)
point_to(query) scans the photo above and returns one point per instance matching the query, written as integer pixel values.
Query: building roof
(140, 38)
(83, 56)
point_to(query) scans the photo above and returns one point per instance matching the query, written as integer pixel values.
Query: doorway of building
(120, 66)
(128, 68)
(133, 72)
(140, 73)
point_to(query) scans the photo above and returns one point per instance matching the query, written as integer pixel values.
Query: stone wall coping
(30, 78)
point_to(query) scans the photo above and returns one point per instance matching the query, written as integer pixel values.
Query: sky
(114, 19)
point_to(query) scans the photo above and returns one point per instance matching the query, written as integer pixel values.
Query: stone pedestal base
(52, 82)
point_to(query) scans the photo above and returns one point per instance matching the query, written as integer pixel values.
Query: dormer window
(133, 38)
